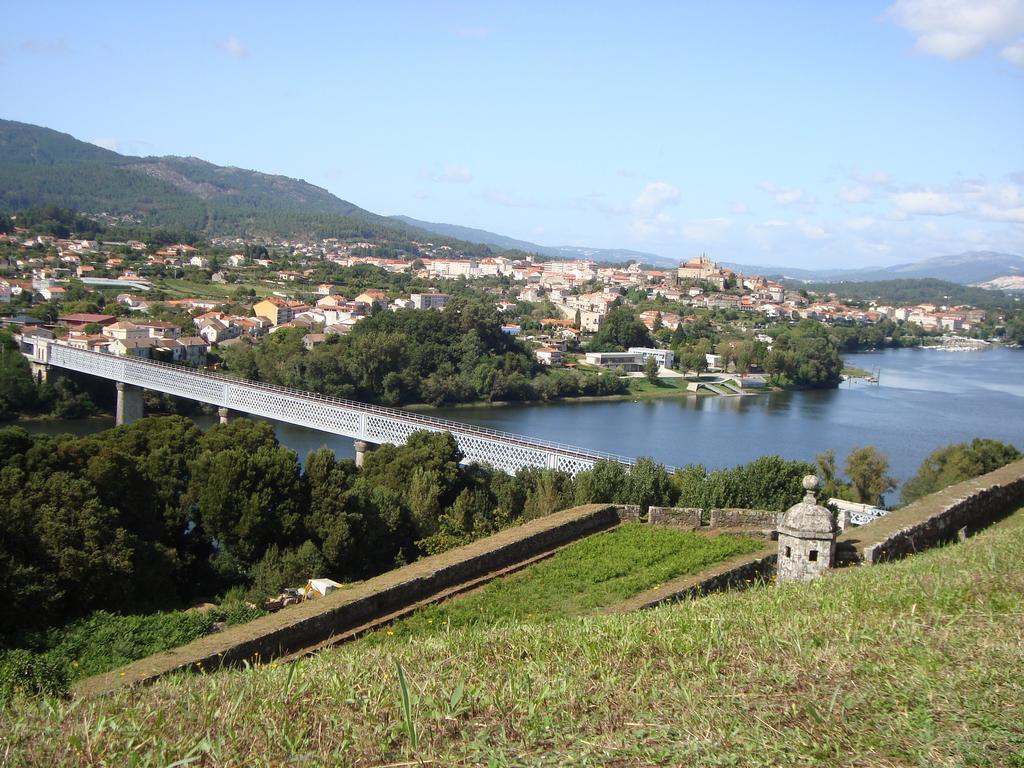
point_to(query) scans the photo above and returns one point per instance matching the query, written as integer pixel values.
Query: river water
(924, 400)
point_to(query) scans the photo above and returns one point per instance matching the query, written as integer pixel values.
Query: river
(924, 400)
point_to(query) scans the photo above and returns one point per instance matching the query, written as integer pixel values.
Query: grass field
(666, 387)
(588, 575)
(182, 289)
(915, 663)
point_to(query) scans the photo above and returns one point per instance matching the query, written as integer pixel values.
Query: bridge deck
(360, 421)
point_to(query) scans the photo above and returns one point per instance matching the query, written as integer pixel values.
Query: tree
(651, 369)
(867, 469)
(954, 463)
(620, 330)
(831, 485)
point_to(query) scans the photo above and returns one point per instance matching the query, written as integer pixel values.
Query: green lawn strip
(911, 663)
(189, 289)
(586, 576)
(103, 641)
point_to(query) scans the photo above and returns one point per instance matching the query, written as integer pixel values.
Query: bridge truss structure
(349, 418)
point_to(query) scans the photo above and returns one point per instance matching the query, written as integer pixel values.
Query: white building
(665, 357)
(429, 300)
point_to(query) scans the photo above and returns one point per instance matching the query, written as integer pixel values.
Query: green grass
(586, 576)
(103, 641)
(915, 663)
(183, 289)
(675, 385)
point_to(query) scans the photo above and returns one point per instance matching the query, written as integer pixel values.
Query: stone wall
(675, 517)
(939, 518)
(315, 621)
(734, 518)
(628, 512)
(693, 517)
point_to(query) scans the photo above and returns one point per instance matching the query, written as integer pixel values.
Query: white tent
(319, 588)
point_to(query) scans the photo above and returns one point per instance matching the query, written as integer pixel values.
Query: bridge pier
(42, 373)
(363, 447)
(224, 414)
(129, 403)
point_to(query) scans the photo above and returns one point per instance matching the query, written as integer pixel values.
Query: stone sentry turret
(807, 538)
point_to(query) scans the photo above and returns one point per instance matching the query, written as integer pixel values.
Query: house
(429, 300)
(132, 347)
(371, 296)
(160, 329)
(125, 330)
(193, 350)
(275, 310)
(310, 340)
(548, 355)
(330, 301)
(78, 320)
(326, 289)
(214, 331)
(236, 260)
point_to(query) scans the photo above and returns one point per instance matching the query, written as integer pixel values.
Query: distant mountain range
(969, 268)
(469, 234)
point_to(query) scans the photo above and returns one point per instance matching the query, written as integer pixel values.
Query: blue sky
(792, 133)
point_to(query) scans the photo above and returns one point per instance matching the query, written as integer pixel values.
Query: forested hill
(910, 291)
(39, 166)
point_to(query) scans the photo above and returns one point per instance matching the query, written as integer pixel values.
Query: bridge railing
(429, 422)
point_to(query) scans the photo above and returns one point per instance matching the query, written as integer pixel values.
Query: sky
(807, 134)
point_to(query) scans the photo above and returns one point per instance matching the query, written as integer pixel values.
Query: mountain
(969, 268)
(40, 166)
(469, 234)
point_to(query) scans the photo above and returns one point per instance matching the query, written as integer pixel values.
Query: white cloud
(451, 174)
(926, 203)
(995, 213)
(1014, 53)
(955, 29)
(655, 196)
(108, 143)
(855, 193)
(233, 47)
(740, 208)
(781, 195)
(860, 224)
(649, 227)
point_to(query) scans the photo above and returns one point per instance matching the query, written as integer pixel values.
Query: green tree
(954, 463)
(651, 370)
(868, 469)
(620, 330)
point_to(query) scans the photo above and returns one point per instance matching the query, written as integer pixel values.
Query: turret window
(813, 556)
(787, 552)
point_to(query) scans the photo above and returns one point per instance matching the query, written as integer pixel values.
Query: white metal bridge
(359, 421)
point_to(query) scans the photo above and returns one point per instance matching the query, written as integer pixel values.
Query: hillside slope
(965, 268)
(901, 664)
(40, 166)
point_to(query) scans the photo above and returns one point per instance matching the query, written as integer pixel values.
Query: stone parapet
(939, 518)
(315, 621)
